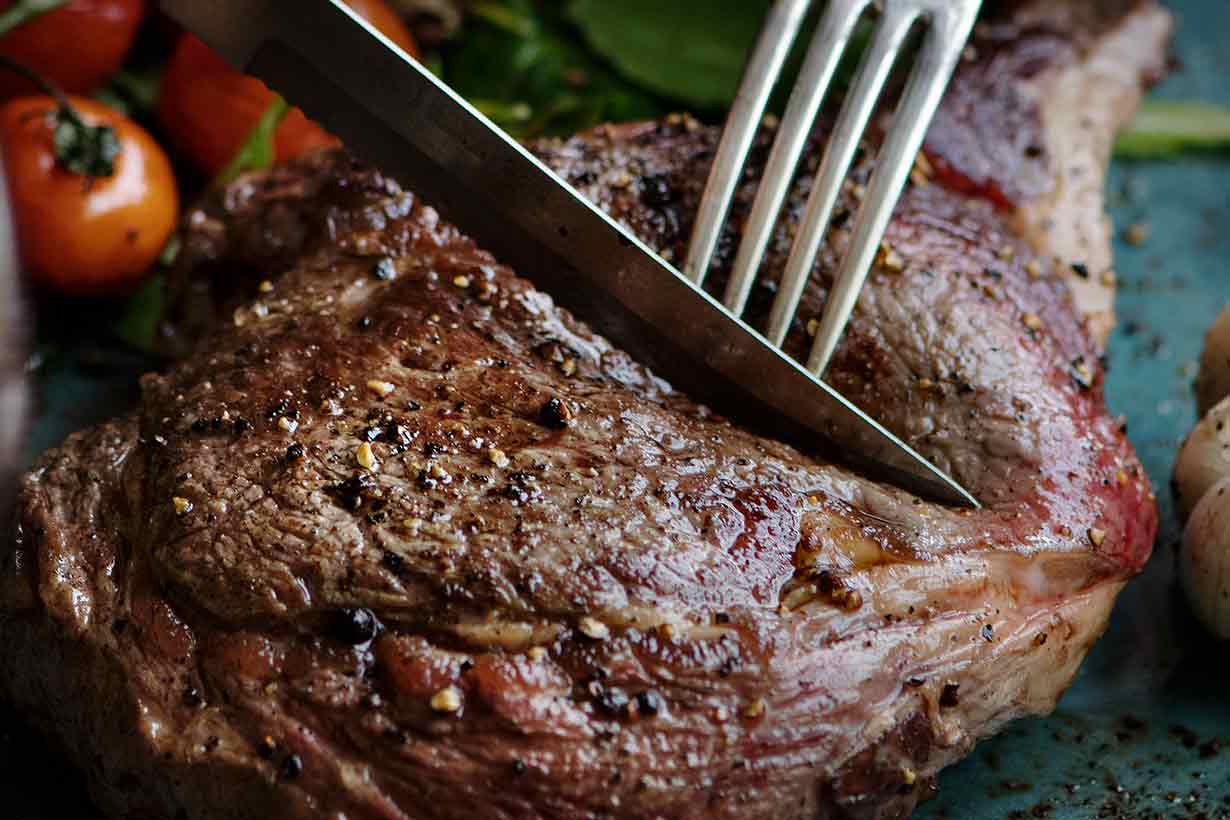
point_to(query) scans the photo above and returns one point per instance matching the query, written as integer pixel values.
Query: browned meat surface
(404, 540)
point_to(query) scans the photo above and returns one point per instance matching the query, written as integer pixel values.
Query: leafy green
(23, 11)
(692, 51)
(258, 150)
(133, 93)
(513, 20)
(170, 251)
(1166, 128)
(556, 68)
(522, 64)
(141, 315)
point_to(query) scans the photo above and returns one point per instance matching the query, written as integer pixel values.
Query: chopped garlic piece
(381, 388)
(594, 628)
(447, 700)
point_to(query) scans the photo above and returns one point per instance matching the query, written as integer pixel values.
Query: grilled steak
(402, 539)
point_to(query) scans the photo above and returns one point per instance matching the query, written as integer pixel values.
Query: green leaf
(516, 21)
(132, 93)
(692, 51)
(258, 150)
(141, 315)
(24, 11)
(522, 64)
(170, 251)
(1167, 128)
(504, 114)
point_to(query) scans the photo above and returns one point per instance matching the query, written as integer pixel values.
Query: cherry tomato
(389, 22)
(208, 108)
(81, 234)
(77, 45)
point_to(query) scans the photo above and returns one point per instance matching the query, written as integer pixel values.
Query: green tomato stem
(24, 11)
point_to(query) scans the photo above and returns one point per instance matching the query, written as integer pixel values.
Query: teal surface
(1145, 732)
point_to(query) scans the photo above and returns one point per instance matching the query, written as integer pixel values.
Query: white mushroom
(1213, 384)
(1204, 565)
(1204, 459)
(1202, 488)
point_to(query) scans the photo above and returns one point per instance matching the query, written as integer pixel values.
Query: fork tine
(780, 30)
(828, 45)
(860, 103)
(950, 26)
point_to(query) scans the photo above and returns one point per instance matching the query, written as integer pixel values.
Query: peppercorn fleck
(649, 703)
(385, 270)
(555, 413)
(354, 626)
(291, 767)
(267, 747)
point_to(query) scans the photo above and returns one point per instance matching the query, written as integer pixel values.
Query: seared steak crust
(403, 539)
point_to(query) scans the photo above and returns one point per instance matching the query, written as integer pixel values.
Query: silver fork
(947, 27)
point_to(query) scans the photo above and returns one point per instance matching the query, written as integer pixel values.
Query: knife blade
(393, 112)
(14, 327)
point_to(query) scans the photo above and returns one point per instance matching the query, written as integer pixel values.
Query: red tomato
(208, 108)
(77, 45)
(80, 234)
(389, 22)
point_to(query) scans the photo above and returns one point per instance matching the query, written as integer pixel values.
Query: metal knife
(14, 397)
(396, 114)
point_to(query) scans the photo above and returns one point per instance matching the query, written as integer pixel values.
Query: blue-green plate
(1145, 731)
